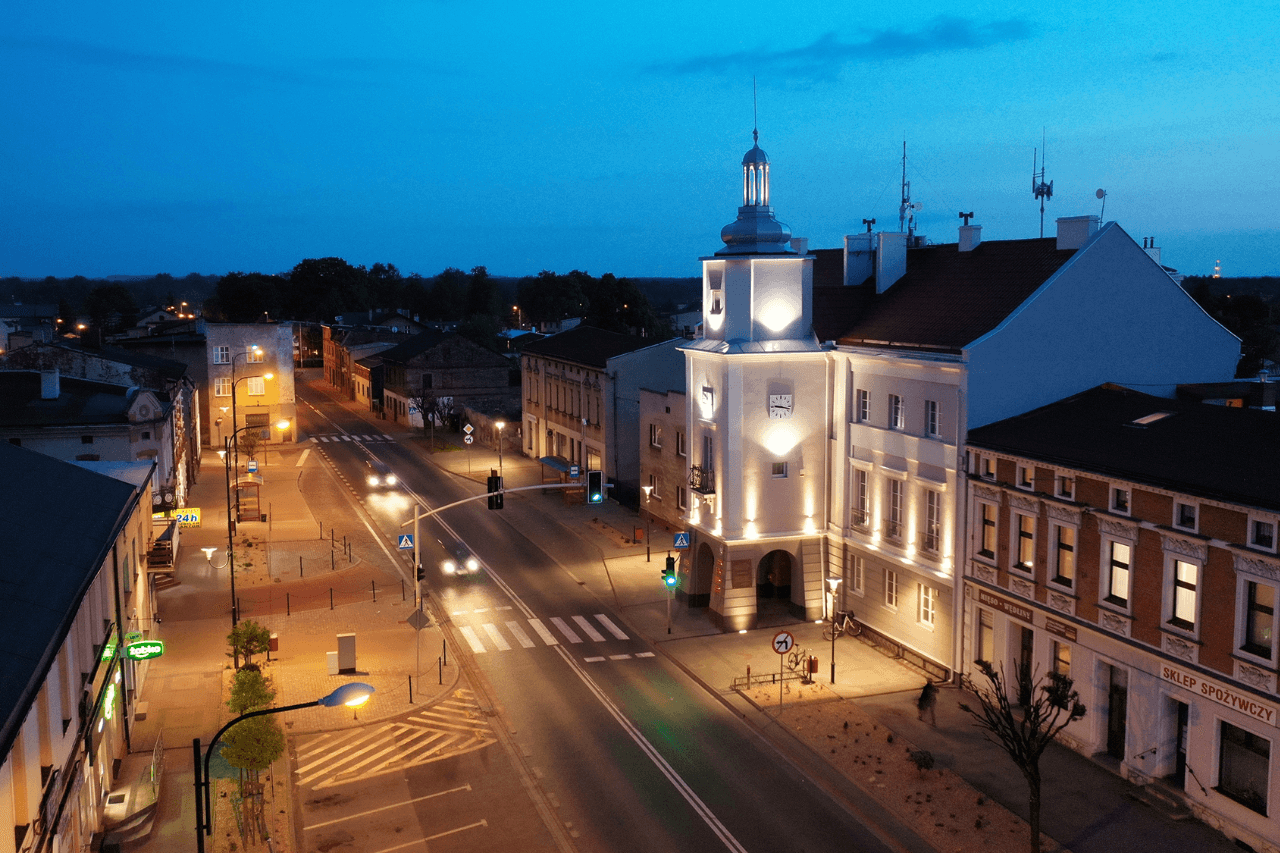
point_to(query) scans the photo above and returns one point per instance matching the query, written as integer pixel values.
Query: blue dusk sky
(209, 137)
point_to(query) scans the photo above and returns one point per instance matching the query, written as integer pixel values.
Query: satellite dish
(917, 205)
(1101, 193)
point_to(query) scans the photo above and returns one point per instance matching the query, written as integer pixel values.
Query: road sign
(468, 439)
(575, 471)
(783, 642)
(253, 466)
(681, 541)
(468, 429)
(406, 542)
(418, 620)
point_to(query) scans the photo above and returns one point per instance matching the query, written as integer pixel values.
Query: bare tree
(427, 405)
(1052, 704)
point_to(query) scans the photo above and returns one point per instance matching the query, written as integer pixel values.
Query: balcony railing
(702, 480)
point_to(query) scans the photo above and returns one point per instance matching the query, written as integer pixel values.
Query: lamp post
(235, 425)
(648, 490)
(352, 695)
(834, 583)
(500, 425)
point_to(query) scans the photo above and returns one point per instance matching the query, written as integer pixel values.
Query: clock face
(779, 405)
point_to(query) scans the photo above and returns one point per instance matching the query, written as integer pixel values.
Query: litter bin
(264, 518)
(813, 666)
(274, 643)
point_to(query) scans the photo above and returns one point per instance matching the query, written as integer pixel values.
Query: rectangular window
(891, 588)
(680, 448)
(928, 604)
(682, 498)
(1262, 534)
(987, 467)
(932, 427)
(932, 520)
(1062, 658)
(257, 386)
(864, 406)
(859, 575)
(655, 435)
(1026, 477)
(1026, 542)
(1064, 563)
(1118, 574)
(1184, 516)
(222, 387)
(222, 355)
(1244, 765)
(1120, 500)
(1065, 487)
(987, 547)
(986, 635)
(779, 470)
(1259, 620)
(861, 499)
(897, 419)
(893, 528)
(653, 487)
(254, 354)
(1184, 595)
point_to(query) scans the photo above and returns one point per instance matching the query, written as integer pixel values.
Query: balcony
(702, 480)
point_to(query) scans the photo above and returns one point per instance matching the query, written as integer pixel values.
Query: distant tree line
(1249, 308)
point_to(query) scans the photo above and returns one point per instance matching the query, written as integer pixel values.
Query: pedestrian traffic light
(495, 492)
(595, 487)
(669, 574)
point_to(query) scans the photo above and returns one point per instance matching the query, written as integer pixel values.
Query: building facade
(664, 460)
(251, 380)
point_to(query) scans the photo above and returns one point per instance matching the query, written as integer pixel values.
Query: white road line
(593, 660)
(384, 808)
(476, 645)
(547, 636)
(303, 457)
(345, 437)
(498, 640)
(587, 629)
(644, 654)
(387, 437)
(521, 637)
(619, 657)
(610, 627)
(481, 610)
(504, 607)
(565, 629)
(423, 841)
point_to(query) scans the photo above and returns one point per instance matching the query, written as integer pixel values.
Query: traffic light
(595, 487)
(495, 492)
(669, 574)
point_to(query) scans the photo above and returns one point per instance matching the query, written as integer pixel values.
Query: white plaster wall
(782, 298)
(659, 368)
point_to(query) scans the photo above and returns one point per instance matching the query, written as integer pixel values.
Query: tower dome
(755, 231)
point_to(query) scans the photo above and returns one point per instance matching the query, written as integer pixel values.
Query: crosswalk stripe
(470, 635)
(619, 657)
(591, 632)
(612, 628)
(521, 637)
(593, 660)
(547, 636)
(345, 437)
(565, 629)
(498, 640)
(386, 437)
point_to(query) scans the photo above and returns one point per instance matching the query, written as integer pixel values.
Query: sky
(142, 138)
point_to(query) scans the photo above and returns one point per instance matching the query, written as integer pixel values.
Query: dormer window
(1120, 500)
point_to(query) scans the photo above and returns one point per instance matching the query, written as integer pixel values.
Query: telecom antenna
(1039, 189)
(1102, 195)
(907, 210)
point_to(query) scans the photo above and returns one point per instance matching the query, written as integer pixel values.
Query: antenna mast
(906, 210)
(1039, 189)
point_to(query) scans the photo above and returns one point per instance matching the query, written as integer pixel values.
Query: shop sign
(1017, 611)
(1062, 629)
(144, 650)
(1223, 695)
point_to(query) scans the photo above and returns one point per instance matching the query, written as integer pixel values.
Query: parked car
(379, 474)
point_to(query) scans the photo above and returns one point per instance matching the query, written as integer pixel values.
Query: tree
(247, 639)
(249, 690)
(253, 744)
(1053, 703)
(249, 441)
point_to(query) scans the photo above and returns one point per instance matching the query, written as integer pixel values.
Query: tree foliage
(253, 744)
(247, 639)
(1052, 704)
(249, 691)
(608, 302)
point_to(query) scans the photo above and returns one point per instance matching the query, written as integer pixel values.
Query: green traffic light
(669, 580)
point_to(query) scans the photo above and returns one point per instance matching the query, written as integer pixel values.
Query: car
(378, 474)
(462, 562)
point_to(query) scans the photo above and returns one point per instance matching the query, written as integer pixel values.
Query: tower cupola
(755, 231)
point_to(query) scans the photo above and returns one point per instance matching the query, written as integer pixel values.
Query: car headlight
(391, 479)
(473, 565)
(449, 567)
(373, 479)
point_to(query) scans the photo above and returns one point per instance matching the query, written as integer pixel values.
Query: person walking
(927, 702)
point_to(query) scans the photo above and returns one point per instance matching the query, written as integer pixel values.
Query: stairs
(1163, 799)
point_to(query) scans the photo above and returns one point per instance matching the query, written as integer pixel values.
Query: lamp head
(208, 552)
(352, 695)
(834, 582)
(282, 424)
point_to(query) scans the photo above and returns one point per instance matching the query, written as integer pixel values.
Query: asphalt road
(622, 750)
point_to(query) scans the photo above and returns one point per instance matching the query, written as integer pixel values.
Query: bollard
(440, 665)
(332, 564)
(411, 690)
(288, 611)
(344, 543)
(374, 585)
(748, 675)
(299, 565)
(330, 537)
(322, 530)
(330, 598)
(444, 651)
(402, 589)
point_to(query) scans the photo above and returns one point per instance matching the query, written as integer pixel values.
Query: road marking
(498, 640)
(619, 657)
(521, 637)
(432, 837)
(505, 607)
(303, 458)
(612, 628)
(345, 437)
(593, 659)
(591, 632)
(384, 808)
(644, 654)
(476, 645)
(565, 629)
(547, 636)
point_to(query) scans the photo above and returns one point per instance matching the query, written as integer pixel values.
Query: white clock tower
(758, 413)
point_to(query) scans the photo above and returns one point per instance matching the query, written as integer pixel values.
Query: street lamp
(648, 490)
(353, 695)
(500, 425)
(834, 583)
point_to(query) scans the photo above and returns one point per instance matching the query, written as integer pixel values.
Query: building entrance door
(1026, 658)
(1180, 748)
(1117, 709)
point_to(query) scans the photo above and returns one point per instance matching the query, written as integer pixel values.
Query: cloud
(827, 56)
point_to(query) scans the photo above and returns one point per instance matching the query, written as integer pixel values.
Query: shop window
(1244, 765)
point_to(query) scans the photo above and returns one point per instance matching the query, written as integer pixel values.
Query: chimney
(1150, 247)
(891, 259)
(50, 387)
(1073, 231)
(800, 245)
(970, 237)
(858, 259)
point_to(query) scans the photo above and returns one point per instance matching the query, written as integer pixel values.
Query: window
(680, 448)
(859, 575)
(1026, 477)
(1183, 610)
(1062, 658)
(1259, 620)
(779, 470)
(1064, 486)
(932, 427)
(987, 547)
(1244, 765)
(254, 354)
(653, 487)
(682, 498)
(1262, 534)
(717, 303)
(1064, 555)
(257, 386)
(858, 514)
(1184, 516)
(86, 439)
(1118, 574)
(222, 387)
(222, 355)
(891, 588)
(1120, 500)
(864, 406)
(927, 609)
(897, 418)
(932, 520)
(1026, 544)
(986, 635)
(987, 467)
(894, 527)
(655, 435)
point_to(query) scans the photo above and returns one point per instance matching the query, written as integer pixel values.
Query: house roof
(585, 345)
(38, 606)
(1214, 452)
(80, 401)
(947, 299)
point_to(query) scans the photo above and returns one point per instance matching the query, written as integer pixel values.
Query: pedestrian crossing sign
(406, 542)
(681, 541)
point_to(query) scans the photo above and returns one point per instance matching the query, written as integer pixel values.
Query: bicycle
(798, 660)
(841, 623)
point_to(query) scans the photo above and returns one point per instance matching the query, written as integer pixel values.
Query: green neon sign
(144, 650)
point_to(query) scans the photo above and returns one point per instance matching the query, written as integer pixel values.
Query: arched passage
(773, 575)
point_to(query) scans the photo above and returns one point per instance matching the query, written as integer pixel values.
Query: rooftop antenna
(1102, 194)
(907, 210)
(868, 223)
(755, 114)
(1039, 189)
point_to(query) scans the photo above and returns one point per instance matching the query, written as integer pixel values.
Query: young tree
(1053, 704)
(247, 639)
(249, 691)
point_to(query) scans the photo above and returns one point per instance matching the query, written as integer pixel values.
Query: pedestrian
(927, 702)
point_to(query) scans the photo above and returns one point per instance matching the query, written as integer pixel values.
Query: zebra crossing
(488, 630)
(339, 437)
(453, 726)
